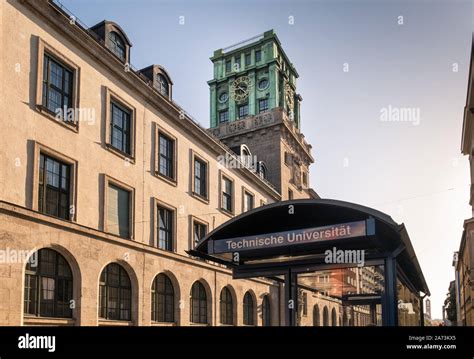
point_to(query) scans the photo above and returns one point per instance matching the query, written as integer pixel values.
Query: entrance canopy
(297, 234)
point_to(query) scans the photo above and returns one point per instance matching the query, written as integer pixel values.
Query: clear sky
(399, 54)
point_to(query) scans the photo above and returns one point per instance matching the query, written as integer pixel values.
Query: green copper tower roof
(254, 41)
(252, 77)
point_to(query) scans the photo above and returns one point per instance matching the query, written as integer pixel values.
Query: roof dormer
(160, 79)
(114, 39)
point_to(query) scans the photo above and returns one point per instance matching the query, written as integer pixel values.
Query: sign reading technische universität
(289, 238)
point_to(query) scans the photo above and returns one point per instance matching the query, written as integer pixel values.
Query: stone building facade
(106, 183)
(464, 258)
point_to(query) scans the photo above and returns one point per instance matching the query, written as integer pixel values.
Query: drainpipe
(279, 304)
(422, 314)
(215, 298)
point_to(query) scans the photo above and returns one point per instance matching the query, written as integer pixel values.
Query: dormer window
(159, 79)
(114, 38)
(162, 85)
(117, 45)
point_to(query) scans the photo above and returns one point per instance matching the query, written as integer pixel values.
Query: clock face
(241, 88)
(223, 97)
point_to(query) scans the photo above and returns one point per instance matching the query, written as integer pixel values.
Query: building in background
(255, 111)
(457, 287)
(449, 307)
(428, 310)
(465, 258)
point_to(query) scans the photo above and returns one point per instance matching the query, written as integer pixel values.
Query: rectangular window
(118, 211)
(228, 66)
(247, 59)
(305, 304)
(227, 194)
(305, 179)
(200, 178)
(243, 111)
(120, 127)
(54, 187)
(263, 105)
(199, 232)
(57, 86)
(166, 156)
(165, 228)
(237, 63)
(47, 293)
(258, 55)
(223, 116)
(248, 201)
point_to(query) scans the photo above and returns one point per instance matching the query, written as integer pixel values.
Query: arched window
(345, 319)
(325, 317)
(262, 170)
(198, 304)
(249, 309)
(246, 156)
(333, 317)
(116, 45)
(48, 285)
(316, 316)
(115, 293)
(162, 299)
(226, 304)
(266, 313)
(162, 85)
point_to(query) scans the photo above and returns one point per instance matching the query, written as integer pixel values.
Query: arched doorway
(325, 317)
(333, 317)
(316, 316)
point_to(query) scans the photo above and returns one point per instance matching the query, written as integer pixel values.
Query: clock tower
(255, 110)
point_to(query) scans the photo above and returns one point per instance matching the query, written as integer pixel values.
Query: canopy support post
(390, 300)
(291, 298)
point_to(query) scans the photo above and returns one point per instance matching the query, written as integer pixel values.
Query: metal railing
(242, 43)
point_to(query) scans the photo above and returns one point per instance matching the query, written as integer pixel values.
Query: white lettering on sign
(300, 236)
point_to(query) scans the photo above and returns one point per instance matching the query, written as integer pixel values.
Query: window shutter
(118, 212)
